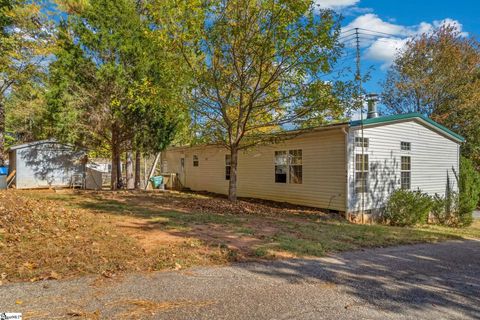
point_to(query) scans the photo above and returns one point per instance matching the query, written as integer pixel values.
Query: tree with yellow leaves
(259, 68)
(438, 74)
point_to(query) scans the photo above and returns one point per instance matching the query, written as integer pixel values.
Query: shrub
(455, 209)
(407, 208)
(469, 187)
(445, 209)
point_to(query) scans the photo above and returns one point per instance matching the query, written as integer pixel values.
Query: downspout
(347, 175)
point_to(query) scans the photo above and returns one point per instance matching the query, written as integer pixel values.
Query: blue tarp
(3, 171)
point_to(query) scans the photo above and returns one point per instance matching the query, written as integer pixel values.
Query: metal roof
(39, 142)
(408, 116)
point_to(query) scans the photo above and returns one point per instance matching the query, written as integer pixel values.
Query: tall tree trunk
(115, 151)
(113, 173)
(138, 159)
(129, 170)
(2, 133)
(118, 164)
(232, 186)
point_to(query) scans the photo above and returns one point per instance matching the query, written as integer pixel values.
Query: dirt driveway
(426, 281)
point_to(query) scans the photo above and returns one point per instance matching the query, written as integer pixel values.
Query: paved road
(430, 281)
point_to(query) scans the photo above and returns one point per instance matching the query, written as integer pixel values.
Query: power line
(346, 37)
(379, 32)
(349, 30)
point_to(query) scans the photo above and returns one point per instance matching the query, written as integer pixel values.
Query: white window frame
(361, 176)
(196, 163)
(295, 161)
(406, 173)
(279, 162)
(405, 146)
(292, 159)
(362, 142)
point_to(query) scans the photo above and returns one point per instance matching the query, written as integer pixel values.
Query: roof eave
(406, 117)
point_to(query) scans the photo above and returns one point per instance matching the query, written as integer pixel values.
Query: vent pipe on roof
(372, 99)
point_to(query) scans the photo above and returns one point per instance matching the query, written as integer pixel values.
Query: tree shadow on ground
(152, 203)
(395, 279)
(299, 233)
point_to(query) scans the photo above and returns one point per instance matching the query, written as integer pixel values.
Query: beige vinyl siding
(434, 159)
(324, 176)
(208, 176)
(210, 173)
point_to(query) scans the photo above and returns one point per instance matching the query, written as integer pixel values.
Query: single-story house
(350, 167)
(46, 164)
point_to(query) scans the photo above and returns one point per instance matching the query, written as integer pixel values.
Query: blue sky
(392, 23)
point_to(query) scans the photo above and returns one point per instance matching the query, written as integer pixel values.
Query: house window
(405, 177)
(195, 161)
(405, 146)
(361, 142)
(228, 167)
(281, 166)
(295, 163)
(361, 173)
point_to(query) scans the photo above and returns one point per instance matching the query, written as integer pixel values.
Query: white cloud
(385, 50)
(392, 38)
(345, 7)
(354, 11)
(336, 4)
(371, 21)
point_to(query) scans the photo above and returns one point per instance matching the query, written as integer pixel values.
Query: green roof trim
(407, 116)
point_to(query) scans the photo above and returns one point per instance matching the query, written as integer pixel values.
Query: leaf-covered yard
(55, 235)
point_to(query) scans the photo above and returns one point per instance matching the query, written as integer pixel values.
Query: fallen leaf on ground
(147, 307)
(54, 276)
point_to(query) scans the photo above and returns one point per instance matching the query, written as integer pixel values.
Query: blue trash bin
(157, 181)
(3, 177)
(3, 171)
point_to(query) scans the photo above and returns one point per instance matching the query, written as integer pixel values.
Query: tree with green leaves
(258, 68)
(114, 83)
(156, 117)
(24, 43)
(87, 81)
(438, 74)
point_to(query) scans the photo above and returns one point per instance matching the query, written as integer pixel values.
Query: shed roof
(39, 142)
(408, 116)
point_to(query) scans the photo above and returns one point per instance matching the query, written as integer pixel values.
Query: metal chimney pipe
(372, 99)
